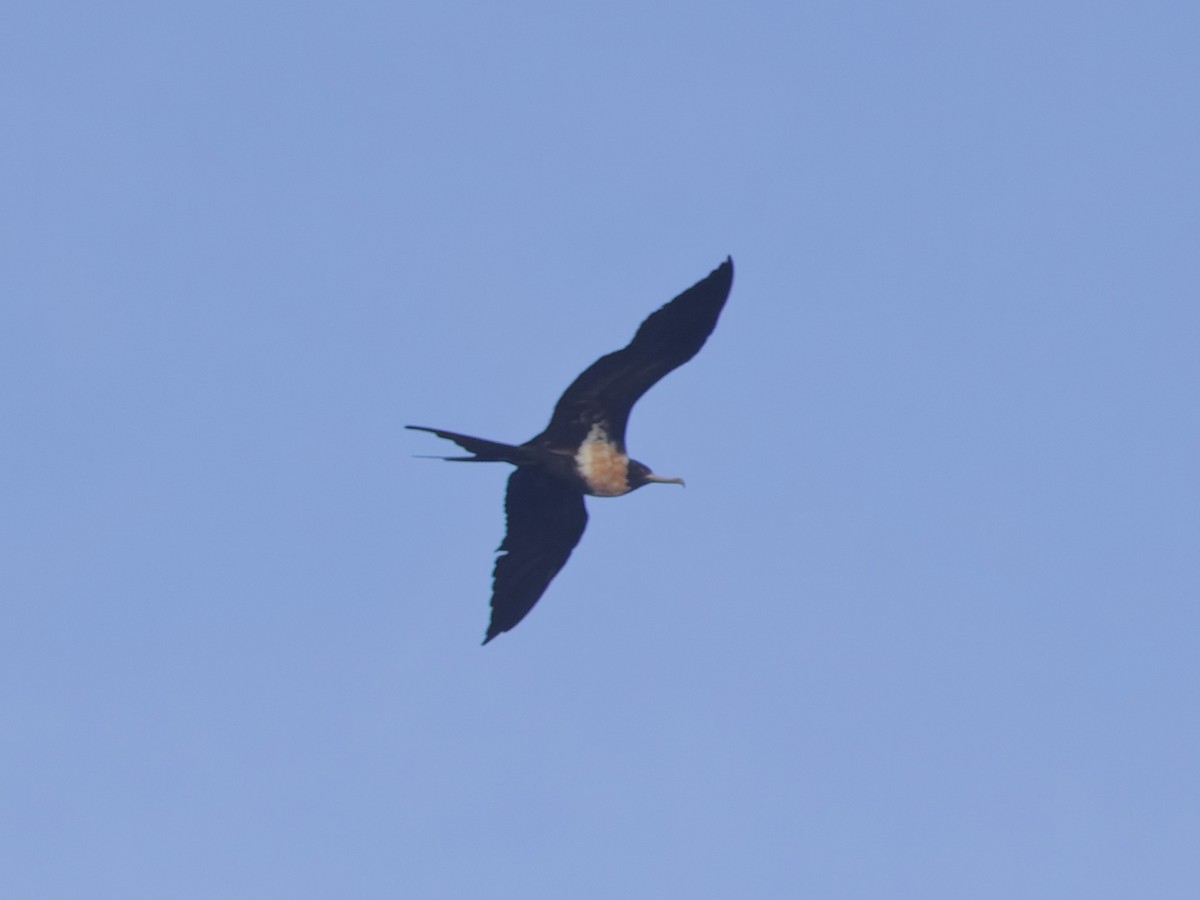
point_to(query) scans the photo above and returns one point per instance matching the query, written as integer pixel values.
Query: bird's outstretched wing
(608, 389)
(546, 518)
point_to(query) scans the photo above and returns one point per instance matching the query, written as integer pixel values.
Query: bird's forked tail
(485, 451)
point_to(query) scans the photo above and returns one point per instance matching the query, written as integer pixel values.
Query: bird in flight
(582, 450)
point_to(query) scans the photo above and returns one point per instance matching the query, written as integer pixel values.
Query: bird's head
(640, 474)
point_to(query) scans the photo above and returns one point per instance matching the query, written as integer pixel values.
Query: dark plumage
(582, 450)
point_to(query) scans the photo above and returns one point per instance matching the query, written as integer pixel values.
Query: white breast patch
(603, 467)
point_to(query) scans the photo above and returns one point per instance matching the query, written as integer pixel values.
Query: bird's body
(582, 449)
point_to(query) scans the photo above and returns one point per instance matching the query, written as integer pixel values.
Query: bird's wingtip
(722, 274)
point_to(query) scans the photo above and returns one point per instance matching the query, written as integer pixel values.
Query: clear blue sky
(924, 622)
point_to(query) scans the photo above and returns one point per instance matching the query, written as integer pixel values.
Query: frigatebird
(582, 450)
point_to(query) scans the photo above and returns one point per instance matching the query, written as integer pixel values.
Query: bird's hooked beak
(658, 479)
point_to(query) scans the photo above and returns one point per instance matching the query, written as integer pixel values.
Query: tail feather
(485, 451)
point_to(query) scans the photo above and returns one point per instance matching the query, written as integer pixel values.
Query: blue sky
(924, 622)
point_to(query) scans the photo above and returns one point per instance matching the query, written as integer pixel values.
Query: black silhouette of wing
(546, 518)
(607, 390)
